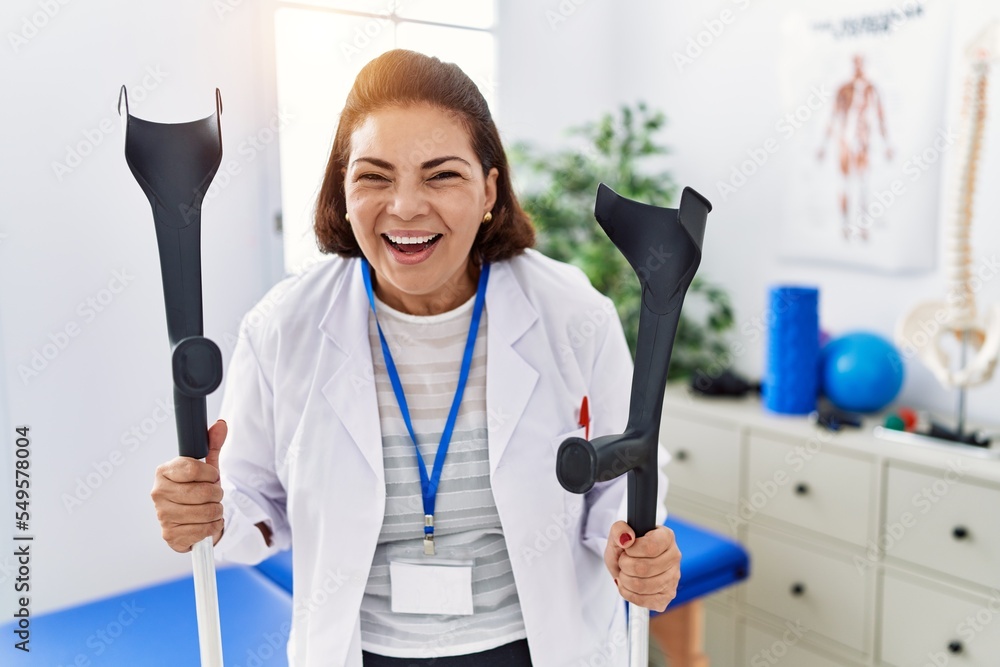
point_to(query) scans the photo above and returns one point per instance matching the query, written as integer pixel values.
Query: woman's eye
(372, 177)
(444, 175)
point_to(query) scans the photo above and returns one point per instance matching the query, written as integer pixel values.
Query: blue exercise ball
(860, 372)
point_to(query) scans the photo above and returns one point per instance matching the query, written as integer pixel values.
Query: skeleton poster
(865, 162)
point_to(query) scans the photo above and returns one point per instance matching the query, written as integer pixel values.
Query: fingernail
(625, 539)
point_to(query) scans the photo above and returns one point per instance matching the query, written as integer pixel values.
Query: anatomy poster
(865, 169)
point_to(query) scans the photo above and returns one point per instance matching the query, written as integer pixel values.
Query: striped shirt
(427, 351)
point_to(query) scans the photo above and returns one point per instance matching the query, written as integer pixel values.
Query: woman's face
(416, 196)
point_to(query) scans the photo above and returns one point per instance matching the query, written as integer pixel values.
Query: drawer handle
(955, 647)
(798, 590)
(802, 488)
(682, 455)
(960, 532)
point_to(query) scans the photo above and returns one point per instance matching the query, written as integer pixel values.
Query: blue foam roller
(791, 383)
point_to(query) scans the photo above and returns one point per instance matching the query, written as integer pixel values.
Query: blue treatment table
(156, 626)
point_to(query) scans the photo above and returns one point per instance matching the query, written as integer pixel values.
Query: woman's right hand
(187, 494)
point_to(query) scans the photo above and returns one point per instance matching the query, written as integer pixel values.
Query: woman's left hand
(646, 569)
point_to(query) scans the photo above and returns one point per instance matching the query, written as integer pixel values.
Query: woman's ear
(491, 188)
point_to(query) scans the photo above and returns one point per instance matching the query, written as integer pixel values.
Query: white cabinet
(864, 552)
(815, 588)
(925, 623)
(808, 485)
(945, 521)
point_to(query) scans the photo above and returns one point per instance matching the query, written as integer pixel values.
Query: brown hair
(400, 78)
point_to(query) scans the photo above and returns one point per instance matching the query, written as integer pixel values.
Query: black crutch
(663, 246)
(174, 164)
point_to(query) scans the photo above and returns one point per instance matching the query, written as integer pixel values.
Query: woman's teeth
(412, 245)
(407, 240)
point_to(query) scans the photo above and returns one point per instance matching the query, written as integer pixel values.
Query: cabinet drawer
(941, 520)
(780, 647)
(811, 487)
(705, 459)
(825, 593)
(927, 626)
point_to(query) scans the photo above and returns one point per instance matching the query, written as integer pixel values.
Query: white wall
(64, 237)
(725, 103)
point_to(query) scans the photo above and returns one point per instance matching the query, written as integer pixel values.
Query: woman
(434, 328)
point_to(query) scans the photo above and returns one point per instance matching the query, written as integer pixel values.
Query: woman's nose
(408, 202)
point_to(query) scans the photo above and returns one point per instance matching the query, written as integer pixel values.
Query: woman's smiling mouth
(411, 249)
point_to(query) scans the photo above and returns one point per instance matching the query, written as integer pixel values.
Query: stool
(709, 562)
(157, 626)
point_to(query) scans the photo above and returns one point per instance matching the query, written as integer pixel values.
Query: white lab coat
(304, 452)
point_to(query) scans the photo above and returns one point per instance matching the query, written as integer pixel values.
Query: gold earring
(487, 217)
(347, 217)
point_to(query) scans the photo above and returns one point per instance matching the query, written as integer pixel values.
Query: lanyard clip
(428, 534)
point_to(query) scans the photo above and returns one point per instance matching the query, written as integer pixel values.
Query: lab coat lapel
(510, 379)
(351, 387)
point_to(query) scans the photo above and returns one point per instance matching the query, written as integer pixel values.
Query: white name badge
(431, 589)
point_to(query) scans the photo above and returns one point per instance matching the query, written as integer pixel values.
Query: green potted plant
(558, 189)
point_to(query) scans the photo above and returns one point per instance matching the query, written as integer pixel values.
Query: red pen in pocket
(585, 417)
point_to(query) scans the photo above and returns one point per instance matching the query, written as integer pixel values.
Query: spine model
(921, 332)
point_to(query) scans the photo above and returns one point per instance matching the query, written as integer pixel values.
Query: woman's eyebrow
(375, 161)
(430, 164)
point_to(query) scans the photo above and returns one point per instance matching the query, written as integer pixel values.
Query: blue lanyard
(429, 485)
